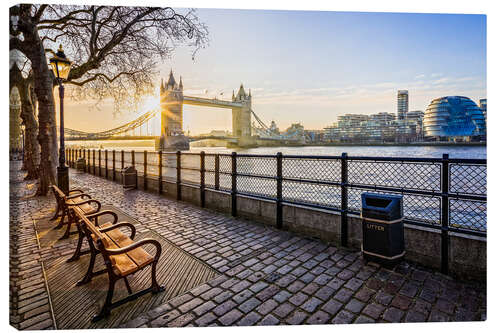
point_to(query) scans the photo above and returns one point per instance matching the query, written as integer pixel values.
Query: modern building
(482, 106)
(454, 118)
(402, 104)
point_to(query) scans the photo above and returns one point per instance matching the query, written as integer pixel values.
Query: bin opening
(378, 202)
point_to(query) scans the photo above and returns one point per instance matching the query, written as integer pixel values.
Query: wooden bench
(81, 199)
(122, 257)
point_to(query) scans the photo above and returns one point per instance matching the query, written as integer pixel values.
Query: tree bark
(31, 147)
(43, 84)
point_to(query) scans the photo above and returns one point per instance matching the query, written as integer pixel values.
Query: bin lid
(128, 169)
(380, 202)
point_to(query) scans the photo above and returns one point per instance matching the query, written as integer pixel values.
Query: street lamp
(61, 67)
(22, 134)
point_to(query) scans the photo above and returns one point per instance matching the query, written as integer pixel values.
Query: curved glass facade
(453, 116)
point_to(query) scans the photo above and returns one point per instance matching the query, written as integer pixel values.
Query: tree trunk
(31, 147)
(43, 84)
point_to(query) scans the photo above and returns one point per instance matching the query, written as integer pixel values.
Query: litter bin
(80, 164)
(129, 177)
(383, 231)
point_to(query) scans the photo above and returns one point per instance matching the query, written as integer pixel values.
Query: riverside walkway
(262, 276)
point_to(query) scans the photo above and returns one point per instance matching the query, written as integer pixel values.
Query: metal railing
(445, 194)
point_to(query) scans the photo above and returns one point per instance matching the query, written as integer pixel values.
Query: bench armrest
(95, 216)
(82, 195)
(137, 244)
(121, 224)
(76, 190)
(86, 202)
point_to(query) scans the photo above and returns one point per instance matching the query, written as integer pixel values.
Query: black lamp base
(63, 178)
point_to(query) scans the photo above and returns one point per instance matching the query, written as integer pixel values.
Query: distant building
(482, 106)
(453, 118)
(294, 131)
(378, 127)
(274, 128)
(402, 104)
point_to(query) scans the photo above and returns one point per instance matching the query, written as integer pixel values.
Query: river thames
(458, 151)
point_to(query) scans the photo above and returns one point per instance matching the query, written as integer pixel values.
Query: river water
(477, 152)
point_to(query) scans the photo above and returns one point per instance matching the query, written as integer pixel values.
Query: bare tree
(115, 50)
(31, 149)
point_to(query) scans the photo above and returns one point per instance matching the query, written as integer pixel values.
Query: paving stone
(230, 317)
(205, 319)
(343, 317)
(164, 319)
(325, 293)
(223, 296)
(224, 307)
(311, 304)
(249, 319)
(414, 317)
(383, 298)
(393, 315)
(332, 306)
(437, 315)
(267, 306)
(364, 294)
(242, 296)
(355, 306)
(268, 293)
(364, 320)
(343, 295)
(190, 305)
(283, 310)
(269, 320)
(401, 302)
(373, 310)
(319, 317)
(203, 308)
(282, 296)
(311, 288)
(445, 306)
(183, 320)
(296, 318)
(249, 305)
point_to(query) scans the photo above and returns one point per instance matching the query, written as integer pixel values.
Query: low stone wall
(467, 254)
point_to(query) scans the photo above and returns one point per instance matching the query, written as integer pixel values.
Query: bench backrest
(57, 192)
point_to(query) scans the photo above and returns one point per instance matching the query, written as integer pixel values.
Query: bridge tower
(242, 128)
(172, 135)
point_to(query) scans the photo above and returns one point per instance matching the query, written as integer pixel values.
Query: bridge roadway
(210, 102)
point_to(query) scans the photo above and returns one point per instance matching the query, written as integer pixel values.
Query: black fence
(442, 193)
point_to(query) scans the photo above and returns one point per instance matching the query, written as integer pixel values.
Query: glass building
(402, 104)
(452, 117)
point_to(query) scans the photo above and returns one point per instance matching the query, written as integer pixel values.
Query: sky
(311, 66)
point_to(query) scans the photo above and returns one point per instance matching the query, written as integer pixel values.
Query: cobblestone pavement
(267, 276)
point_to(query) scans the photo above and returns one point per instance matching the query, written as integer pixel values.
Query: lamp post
(22, 135)
(61, 67)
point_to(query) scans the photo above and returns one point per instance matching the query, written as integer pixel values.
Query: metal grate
(468, 179)
(312, 169)
(420, 176)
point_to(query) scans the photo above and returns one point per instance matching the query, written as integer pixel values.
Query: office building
(454, 118)
(402, 104)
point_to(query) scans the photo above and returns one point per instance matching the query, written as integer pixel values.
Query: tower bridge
(172, 137)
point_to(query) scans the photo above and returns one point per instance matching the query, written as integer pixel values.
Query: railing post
(71, 158)
(279, 190)
(178, 178)
(216, 172)
(88, 162)
(106, 163)
(114, 166)
(202, 179)
(344, 197)
(99, 160)
(93, 160)
(445, 214)
(145, 170)
(132, 154)
(233, 184)
(160, 173)
(123, 160)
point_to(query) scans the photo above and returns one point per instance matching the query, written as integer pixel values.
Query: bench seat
(125, 263)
